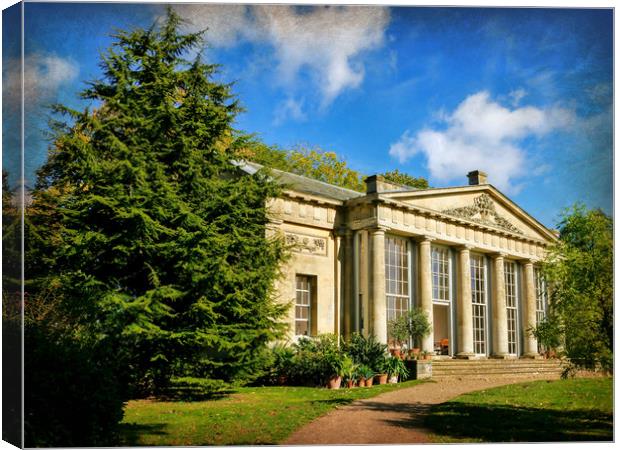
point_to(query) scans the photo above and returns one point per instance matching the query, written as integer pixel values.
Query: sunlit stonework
(466, 255)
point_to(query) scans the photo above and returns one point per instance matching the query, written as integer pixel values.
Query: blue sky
(524, 94)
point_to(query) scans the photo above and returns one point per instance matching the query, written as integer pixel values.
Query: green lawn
(540, 411)
(260, 415)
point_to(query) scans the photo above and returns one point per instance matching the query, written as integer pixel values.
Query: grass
(251, 415)
(540, 411)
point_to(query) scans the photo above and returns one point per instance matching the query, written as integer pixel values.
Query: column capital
(528, 262)
(424, 239)
(378, 230)
(498, 255)
(463, 247)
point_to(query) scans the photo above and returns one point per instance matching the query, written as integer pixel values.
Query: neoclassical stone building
(466, 255)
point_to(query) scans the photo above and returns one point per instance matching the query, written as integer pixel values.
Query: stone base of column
(531, 356)
(503, 356)
(465, 355)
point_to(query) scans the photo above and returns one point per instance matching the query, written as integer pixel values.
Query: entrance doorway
(441, 329)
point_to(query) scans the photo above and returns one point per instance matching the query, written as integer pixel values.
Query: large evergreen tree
(143, 226)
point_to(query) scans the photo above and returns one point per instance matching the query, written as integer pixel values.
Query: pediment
(480, 204)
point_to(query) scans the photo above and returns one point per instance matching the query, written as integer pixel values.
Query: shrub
(73, 395)
(190, 388)
(395, 366)
(366, 351)
(548, 333)
(316, 360)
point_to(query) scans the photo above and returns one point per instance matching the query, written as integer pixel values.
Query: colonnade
(464, 328)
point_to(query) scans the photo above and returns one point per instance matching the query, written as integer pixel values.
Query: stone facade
(466, 255)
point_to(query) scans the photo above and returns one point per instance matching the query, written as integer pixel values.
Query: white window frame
(512, 307)
(309, 279)
(402, 282)
(480, 333)
(441, 301)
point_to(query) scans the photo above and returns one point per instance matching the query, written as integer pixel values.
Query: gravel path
(396, 417)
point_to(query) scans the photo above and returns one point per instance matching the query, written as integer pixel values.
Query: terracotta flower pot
(282, 379)
(350, 383)
(334, 382)
(361, 382)
(382, 378)
(369, 382)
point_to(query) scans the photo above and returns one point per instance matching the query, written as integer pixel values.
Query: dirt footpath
(393, 418)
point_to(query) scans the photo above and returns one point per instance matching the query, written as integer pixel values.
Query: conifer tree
(142, 221)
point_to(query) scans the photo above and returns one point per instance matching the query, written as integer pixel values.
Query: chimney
(477, 177)
(377, 184)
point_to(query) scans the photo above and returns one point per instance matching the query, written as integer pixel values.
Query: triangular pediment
(482, 204)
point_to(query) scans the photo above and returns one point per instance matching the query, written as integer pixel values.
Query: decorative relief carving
(483, 211)
(307, 244)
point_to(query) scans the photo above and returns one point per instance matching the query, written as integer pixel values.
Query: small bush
(190, 388)
(366, 351)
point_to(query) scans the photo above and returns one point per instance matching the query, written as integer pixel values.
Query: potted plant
(419, 327)
(367, 374)
(396, 368)
(426, 355)
(349, 371)
(334, 368)
(382, 375)
(398, 333)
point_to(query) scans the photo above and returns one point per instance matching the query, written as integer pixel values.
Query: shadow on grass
(496, 423)
(131, 432)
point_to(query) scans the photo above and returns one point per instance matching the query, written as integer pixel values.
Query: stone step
(464, 364)
(492, 366)
(496, 371)
(456, 368)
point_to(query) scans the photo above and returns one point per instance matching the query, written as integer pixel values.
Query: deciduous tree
(579, 270)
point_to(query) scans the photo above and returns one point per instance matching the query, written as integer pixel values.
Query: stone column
(339, 262)
(426, 288)
(529, 284)
(464, 308)
(377, 302)
(500, 316)
(347, 280)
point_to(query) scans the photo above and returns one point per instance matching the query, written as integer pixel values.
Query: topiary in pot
(398, 332)
(419, 327)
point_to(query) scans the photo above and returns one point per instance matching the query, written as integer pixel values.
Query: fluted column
(377, 300)
(500, 316)
(464, 308)
(531, 347)
(426, 288)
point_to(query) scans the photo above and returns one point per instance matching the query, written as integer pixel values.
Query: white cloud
(290, 109)
(517, 95)
(482, 134)
(328, 41)
(43, 76)
(226, 25)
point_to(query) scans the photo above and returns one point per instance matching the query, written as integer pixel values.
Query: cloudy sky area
(525, 95)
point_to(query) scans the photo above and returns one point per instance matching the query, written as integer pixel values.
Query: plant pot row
(335, 382)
